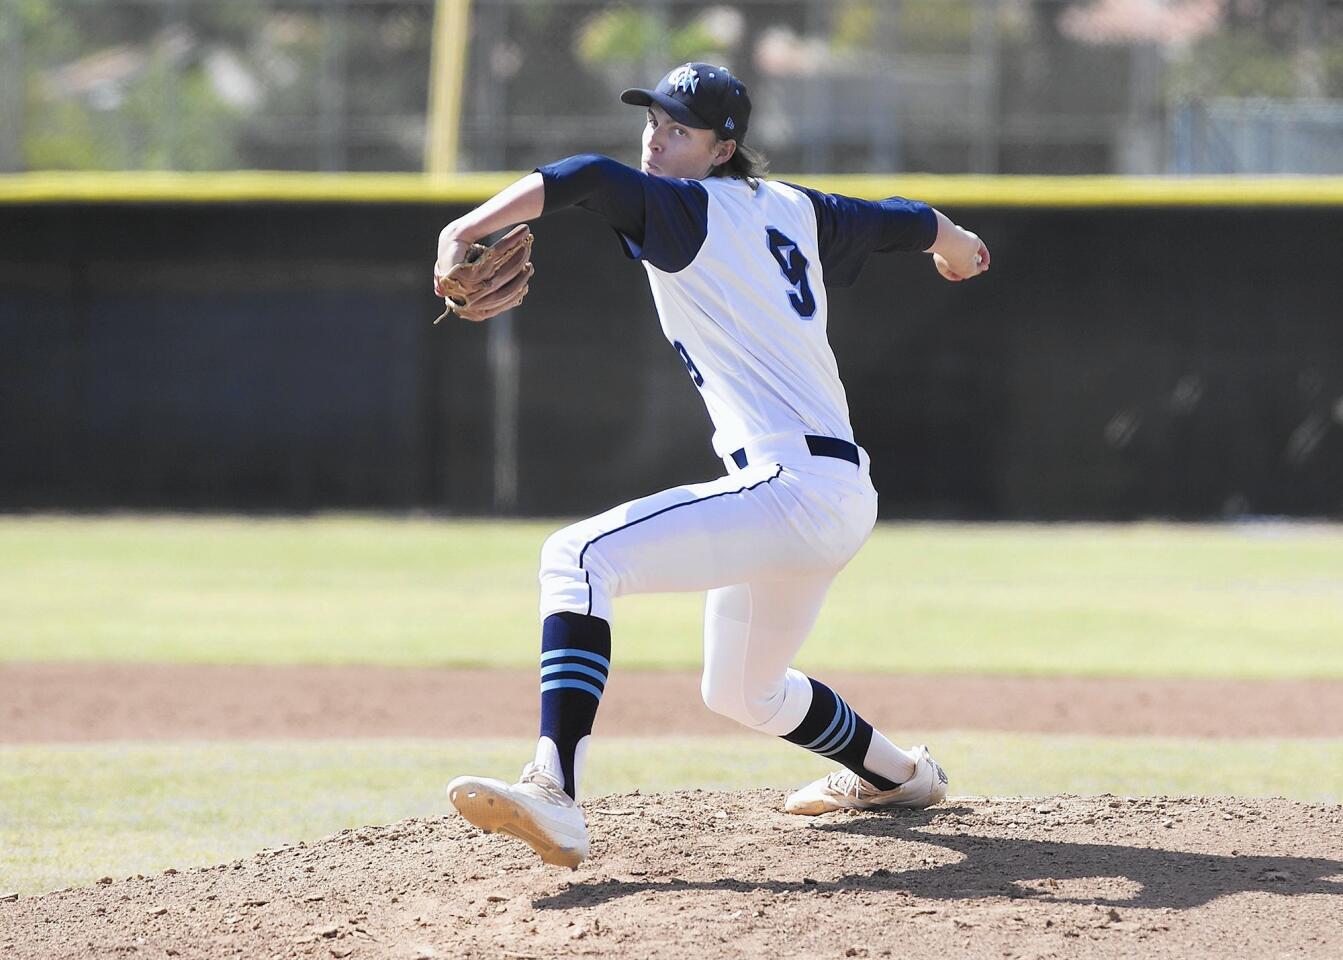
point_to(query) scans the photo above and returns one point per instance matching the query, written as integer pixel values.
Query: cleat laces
(846, 783)
(544, 781)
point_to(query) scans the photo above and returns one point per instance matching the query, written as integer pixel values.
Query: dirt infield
(81, 702)
(717, 875)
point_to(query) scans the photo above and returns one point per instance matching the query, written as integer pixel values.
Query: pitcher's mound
(716, 875)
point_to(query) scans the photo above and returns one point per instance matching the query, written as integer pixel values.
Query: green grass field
(1139, 600)
(71, 814)
(1148, 599)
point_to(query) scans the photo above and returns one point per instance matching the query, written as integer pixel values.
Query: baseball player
(739, 268)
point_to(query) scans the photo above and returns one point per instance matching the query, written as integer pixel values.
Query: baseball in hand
(978, 266)
(945, 269)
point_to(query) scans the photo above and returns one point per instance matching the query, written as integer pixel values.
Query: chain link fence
(1011, 86)
(1258, 136)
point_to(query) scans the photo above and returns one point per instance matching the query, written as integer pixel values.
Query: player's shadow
(1001, 866)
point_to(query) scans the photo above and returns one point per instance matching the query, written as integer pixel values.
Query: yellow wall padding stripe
(1014, 191)
(249, 186)
(1003, 191)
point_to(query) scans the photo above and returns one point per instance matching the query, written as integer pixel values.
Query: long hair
(745, 163)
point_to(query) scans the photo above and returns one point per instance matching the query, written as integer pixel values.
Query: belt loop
(739, 458)
(833, 447)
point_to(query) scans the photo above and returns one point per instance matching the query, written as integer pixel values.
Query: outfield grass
(1148, 599)
(70, 814)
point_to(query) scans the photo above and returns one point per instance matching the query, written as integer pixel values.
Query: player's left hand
(451, 252)
(963, 268)
(477, 281)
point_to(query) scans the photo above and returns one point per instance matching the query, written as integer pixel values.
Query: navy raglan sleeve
(849, 229)
(658, 219)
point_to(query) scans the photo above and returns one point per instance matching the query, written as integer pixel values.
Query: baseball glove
(491, 279)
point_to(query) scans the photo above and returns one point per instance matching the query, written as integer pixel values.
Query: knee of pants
(573, 574)
(559, 554)
(574, 552)
(753, 705)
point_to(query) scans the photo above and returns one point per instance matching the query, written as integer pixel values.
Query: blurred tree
(623, 35)
(629, 36)
(188, 84)
(856, 26)
(122, 87)
(1286, 48)
(936, 28)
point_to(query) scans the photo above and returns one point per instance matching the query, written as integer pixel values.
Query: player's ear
(724, 151)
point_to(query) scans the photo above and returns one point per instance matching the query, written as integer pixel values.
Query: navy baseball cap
(702, 96)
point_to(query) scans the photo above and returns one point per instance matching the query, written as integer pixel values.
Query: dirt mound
(729, 875)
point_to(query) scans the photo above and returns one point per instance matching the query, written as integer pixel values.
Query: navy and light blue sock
(833, 729)
(575, 661)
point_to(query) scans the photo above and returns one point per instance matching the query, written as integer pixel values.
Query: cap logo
(684, 79)
(729, 125)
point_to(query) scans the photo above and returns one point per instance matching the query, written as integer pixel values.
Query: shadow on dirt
(1002, 867)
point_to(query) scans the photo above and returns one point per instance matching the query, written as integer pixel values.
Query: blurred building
(1013, 86)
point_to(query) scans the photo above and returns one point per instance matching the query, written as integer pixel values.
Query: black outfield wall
(1115, 363)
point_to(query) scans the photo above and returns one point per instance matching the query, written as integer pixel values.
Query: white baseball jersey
(748, 316)
(739, 275)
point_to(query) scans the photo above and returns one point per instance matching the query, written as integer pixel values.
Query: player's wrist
(958, 246)
(953, 240)
(459, 231)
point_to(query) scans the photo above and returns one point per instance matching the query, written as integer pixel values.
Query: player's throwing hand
(957, 253)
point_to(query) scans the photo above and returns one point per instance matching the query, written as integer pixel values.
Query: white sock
(888, 760)
(548, 759)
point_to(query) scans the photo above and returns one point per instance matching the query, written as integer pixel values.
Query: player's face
(672, 149)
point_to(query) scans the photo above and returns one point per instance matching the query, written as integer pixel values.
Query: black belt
(819, 447)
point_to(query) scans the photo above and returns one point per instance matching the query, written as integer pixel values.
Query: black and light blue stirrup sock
(833, 729)
(575, 660)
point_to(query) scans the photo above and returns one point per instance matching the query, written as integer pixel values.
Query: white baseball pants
(765, 541)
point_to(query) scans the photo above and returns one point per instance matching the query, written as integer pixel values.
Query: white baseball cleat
(845, 790)
(536, 810)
